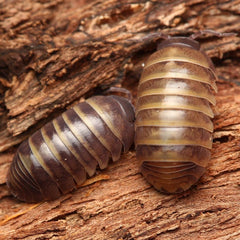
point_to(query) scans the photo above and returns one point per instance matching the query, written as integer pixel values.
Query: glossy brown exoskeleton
(173, 115)
(62, 154)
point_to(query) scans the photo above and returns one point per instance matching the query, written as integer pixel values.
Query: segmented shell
(173, 115)
(66, 151)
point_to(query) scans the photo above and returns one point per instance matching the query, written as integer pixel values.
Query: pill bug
(174, 109)
(62, 154)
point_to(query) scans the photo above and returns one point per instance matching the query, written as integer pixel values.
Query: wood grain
(52, 53)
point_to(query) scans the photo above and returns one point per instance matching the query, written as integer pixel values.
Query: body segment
(173, 115)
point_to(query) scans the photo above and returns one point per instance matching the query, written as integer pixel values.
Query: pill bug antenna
(156, 35)
(212, 33)
(150, 37)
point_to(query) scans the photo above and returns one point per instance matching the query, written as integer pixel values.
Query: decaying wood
(52, 53)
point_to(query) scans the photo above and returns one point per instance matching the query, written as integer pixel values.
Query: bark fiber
(53, 54)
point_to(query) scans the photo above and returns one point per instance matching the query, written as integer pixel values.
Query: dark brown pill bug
(65, 152)
(173, 115)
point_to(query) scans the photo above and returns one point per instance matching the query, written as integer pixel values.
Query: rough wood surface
(54, 52)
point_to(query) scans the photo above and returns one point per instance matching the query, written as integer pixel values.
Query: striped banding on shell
(66, 151)
(173, 115)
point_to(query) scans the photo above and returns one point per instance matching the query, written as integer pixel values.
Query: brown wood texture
(52, 53)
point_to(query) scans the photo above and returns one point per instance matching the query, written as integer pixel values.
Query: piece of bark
(54, 52)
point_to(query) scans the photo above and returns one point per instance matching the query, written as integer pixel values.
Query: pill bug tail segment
(65, 152)
(173, 125)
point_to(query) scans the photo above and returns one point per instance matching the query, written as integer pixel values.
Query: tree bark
(53, 53)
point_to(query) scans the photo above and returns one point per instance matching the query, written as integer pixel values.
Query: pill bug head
(184, 41)
(61, 155)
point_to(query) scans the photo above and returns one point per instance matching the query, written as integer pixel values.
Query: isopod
(174, 114)
(61, 155)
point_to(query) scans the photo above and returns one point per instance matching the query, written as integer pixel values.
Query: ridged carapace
(173, 115)
(65, 152)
